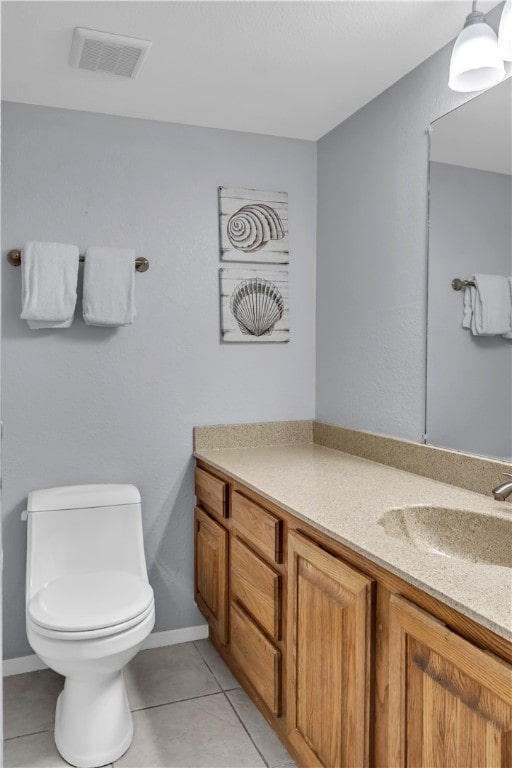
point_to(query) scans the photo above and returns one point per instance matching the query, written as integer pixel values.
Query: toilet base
(93, 722)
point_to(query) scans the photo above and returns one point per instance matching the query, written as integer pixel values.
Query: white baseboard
(154, 640)
(22, 664)
(175, 636)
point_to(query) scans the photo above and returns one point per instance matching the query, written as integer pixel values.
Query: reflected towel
(508, 334)
(109, 286)
(487, 307)
(49, 275)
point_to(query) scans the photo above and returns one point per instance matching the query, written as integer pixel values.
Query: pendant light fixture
(505, 32)
(476, 63)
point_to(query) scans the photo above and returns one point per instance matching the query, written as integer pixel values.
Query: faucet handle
(509, 474)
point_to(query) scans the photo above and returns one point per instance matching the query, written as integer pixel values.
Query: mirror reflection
(469, 352)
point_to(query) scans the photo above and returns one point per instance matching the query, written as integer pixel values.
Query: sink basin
(458, 533)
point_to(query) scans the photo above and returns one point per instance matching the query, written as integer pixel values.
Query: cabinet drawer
(257, 657)
(257, 587)
(258, 526)
(211, 492)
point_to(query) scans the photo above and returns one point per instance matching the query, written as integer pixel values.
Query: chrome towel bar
(14, 258)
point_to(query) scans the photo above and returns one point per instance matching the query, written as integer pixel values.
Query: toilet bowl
(89, 607)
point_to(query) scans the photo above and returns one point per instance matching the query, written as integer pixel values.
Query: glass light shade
(505, 32)
(475, 64)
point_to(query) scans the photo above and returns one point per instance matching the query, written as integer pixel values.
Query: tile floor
(188, 711)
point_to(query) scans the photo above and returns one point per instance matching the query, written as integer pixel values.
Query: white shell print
(251, 227)
(257, 305)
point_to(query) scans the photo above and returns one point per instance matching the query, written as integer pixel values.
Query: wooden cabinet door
(450, 703)
(328, 633)
(211, 572)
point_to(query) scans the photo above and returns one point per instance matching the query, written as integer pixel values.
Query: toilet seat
(90, 634)
(90, 604)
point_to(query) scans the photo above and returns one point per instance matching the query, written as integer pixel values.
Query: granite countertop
(344, 496)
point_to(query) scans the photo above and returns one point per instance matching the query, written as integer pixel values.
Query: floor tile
(261, 733)
(214, 660)
(163, 675)
(36, 751)
(29, 702)
(199, 733)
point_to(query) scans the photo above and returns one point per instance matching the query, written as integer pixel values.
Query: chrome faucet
(503, 490)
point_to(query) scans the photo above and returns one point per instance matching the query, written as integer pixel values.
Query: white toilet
(89, 607)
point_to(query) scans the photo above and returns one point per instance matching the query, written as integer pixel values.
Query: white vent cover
(105, 52)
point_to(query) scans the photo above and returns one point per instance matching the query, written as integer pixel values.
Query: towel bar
(458, 284)
(14, 258)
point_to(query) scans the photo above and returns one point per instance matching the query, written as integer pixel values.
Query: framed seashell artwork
(254, 305)
(253, 226)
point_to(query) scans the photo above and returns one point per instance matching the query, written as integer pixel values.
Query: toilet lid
(83, 601)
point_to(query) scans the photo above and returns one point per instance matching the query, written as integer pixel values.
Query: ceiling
(295, 68)
(478, 134)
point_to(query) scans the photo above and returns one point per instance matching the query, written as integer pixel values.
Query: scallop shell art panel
(254, 305)
(253, 225)
(257, 305)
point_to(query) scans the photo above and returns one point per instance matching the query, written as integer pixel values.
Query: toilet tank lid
(82, 497)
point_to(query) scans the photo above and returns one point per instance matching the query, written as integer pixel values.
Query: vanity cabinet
(350, 664)
(329, 636)
(450, 703)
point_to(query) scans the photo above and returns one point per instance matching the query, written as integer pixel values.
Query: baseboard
(175, 636)
(155, 640)
(22, 664)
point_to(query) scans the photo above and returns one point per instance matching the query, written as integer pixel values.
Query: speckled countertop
(345, 496)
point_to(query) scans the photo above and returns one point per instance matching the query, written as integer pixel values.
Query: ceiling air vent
(104, 52)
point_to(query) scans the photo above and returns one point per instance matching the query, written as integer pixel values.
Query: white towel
(467, 312)
(487, 307)
(109, 286)
(508, 334)
(49, 275)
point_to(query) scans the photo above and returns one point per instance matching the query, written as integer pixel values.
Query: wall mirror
(469, 378)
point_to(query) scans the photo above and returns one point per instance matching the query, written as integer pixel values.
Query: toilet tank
(82, 529)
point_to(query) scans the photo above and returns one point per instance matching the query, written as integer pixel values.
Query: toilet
(89, 607)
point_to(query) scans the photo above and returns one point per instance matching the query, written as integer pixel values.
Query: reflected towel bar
(14, 258)
(458, 284)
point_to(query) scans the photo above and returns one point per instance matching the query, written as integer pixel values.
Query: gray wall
(371, 250)
(469, 383)
(98, 405)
